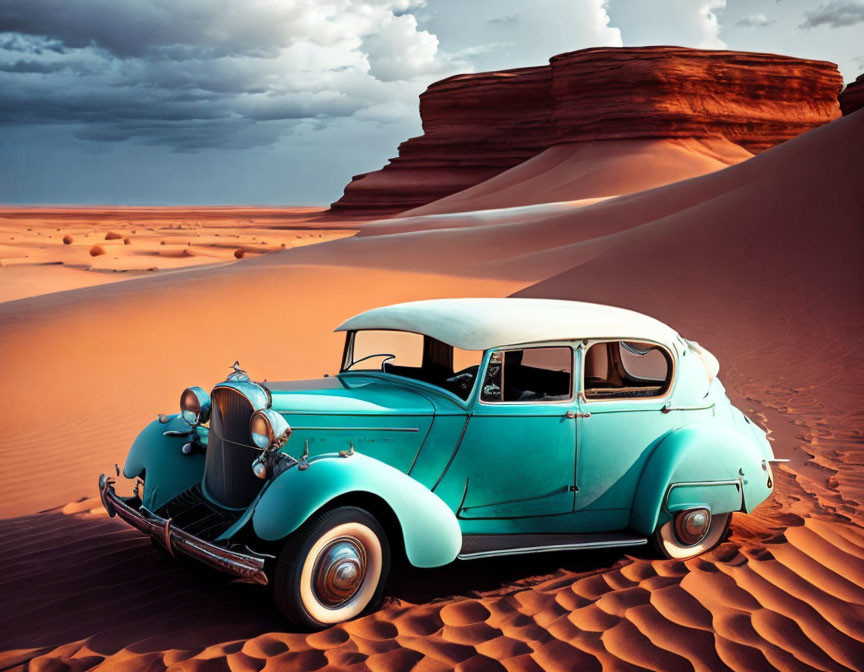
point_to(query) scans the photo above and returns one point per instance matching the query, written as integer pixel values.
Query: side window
(532, 374)
(626, 369)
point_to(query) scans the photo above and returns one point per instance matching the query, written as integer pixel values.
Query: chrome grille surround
(228, 477)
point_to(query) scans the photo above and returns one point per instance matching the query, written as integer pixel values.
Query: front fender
(699, 454)
(429, 528)
(168, 472)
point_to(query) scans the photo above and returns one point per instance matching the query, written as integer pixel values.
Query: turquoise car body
(443, 468)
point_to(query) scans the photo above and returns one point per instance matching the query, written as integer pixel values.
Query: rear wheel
(332, 568)
(691, 533)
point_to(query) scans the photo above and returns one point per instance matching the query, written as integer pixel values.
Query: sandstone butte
(478, 125)
(852, 98)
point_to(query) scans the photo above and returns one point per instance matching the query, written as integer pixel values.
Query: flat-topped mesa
(474, 127)
(478, 125)
(754, 100)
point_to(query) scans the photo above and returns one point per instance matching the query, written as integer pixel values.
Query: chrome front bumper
(249, 568)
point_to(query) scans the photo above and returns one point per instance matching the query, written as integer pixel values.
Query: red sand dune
(759, 261)
(478, 125)
(577, 171)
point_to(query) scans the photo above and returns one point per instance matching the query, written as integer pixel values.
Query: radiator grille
(228, 475)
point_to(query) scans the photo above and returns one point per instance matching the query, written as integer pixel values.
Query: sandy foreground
(759, 261)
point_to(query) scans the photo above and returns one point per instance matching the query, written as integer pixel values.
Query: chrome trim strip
(728, 481)
(732, 481)
(249, 568)
(668, 408)
(358, 414)
(358, 429)
(636, 541)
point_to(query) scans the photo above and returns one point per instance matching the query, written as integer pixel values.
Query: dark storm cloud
(835, 15)
(30, 66)
(208, 73)
(129, 28)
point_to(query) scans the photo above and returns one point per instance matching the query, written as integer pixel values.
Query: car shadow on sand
(83, 577)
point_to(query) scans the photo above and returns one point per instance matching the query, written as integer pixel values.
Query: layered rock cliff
(852, 98)
(476, 126)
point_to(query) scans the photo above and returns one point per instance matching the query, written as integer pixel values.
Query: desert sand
(578, 171)
(760, 261)
(44, 250)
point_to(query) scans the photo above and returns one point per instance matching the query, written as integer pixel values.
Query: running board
(476, 546)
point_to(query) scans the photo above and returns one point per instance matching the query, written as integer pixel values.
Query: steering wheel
(386, 355)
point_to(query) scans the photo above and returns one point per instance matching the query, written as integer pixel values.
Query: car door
(624, 388)
(517, 455)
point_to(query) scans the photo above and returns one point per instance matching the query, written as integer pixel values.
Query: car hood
(355, 394)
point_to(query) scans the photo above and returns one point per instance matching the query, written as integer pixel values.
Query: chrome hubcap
(339, 571)
(692, 526)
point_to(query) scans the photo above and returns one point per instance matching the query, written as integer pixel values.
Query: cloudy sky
(281, 101)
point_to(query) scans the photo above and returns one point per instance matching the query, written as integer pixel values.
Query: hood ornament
(238, 375)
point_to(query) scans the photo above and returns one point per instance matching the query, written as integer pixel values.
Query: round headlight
(266, 427)
(195, 405)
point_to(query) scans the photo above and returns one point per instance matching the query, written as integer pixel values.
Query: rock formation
(478, 125)
(852, 98)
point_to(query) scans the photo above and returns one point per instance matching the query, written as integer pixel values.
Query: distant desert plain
(731, 210)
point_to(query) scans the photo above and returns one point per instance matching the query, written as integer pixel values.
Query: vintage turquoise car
(455, 428)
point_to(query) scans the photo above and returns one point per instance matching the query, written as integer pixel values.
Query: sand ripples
(796, 603)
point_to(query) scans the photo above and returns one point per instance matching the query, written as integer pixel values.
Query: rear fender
(703, 464)
(168, 471)
(429, 528)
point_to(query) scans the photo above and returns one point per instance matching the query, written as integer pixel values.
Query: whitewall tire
(669, 542)
(333, 568)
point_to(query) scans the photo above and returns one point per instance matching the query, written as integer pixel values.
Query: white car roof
(480, 324)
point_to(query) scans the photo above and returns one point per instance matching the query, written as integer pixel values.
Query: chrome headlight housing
(195, 405)
(268, 429)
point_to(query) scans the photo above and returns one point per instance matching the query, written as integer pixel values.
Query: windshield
(412, 355)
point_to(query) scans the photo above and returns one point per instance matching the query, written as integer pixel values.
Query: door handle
(574, 414)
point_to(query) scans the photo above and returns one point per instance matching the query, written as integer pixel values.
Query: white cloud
(686, 23)
(499, 34)
(399, 51)
(754, 21)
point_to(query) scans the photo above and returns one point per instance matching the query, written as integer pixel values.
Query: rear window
(626, 369)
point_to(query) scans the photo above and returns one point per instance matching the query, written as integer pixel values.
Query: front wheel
(332, 568)
(690, 533)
